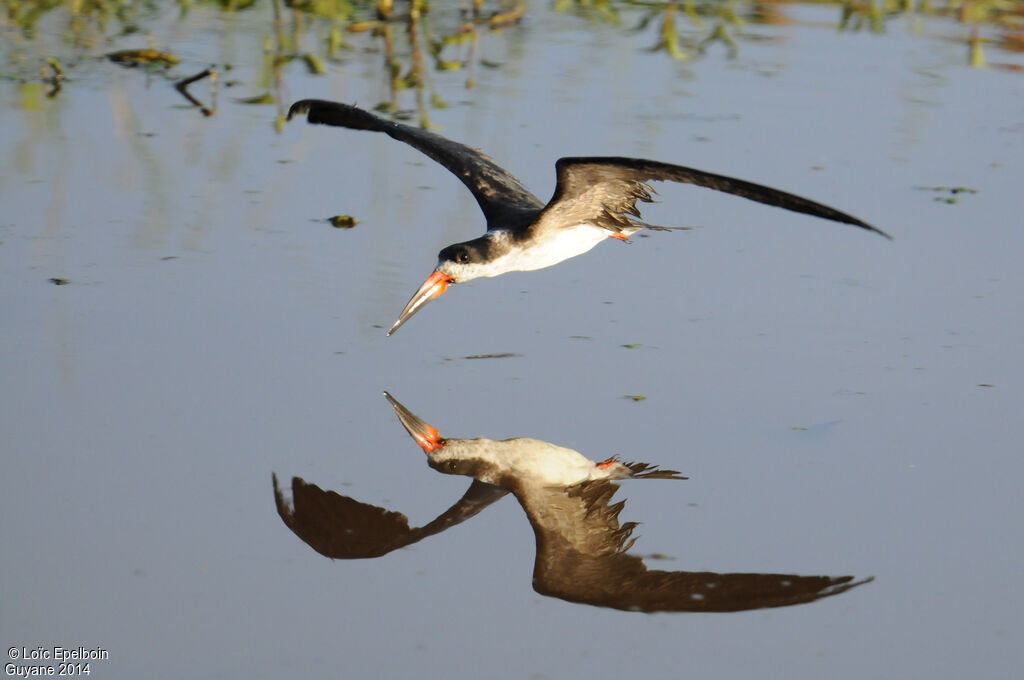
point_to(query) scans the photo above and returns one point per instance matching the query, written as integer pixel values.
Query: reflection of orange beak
(425, 434)
(435, 284)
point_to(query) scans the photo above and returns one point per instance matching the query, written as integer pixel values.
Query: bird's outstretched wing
(498, 193)
(604, 191)
(582, 557)
(341, 527)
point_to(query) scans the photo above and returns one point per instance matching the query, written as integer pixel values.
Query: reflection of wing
(582, 557)
(340, 527)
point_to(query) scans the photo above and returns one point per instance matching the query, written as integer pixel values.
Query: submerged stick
(182, 87)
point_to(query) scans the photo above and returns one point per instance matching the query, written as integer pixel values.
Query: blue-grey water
(842, 404)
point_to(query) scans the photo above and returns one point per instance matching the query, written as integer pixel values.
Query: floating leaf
(143, 58)
(953, 192)
(949, 190)
(343, 221)
(265, 98)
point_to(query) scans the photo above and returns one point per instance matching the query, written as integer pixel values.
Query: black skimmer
(595, 198)
(582, 550)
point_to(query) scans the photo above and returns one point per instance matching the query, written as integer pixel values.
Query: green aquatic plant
(595, 10)
(669, 37)
(47, 41)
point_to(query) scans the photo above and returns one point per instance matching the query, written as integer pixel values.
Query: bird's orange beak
(435, 284)
(425, 434)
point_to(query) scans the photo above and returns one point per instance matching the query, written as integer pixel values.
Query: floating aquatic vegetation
(606, 11)
(452, 35)
(258, 99)
(952, 193)
(496, 355)
(342, 221)
(143, 57)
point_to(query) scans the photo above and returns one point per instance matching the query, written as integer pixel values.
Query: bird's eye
(462, 257)
(453, 465)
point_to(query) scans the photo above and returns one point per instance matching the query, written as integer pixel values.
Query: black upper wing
(498, 193)
(604, 190)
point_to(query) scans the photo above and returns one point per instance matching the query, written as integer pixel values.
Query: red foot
(620, 236)
(605, 464)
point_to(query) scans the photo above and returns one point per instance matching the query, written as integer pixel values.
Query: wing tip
(870, 227)
(300, 107)
(338, 114)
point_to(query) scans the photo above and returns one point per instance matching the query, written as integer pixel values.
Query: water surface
(841, 404)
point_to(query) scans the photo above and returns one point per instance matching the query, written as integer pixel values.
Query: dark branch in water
(182, 87)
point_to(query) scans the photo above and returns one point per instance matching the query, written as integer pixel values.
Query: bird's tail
(640, 224)
(648, 471)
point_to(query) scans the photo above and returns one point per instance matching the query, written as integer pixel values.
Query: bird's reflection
(582, 549)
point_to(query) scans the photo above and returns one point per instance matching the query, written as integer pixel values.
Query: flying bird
(595, 198)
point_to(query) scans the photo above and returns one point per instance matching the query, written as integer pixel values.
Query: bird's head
(444, 458)
(456, 263)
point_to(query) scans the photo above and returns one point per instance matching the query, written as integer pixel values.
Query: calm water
(841, 404)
